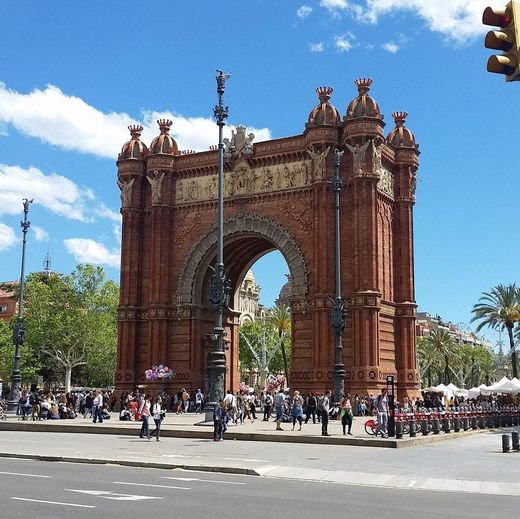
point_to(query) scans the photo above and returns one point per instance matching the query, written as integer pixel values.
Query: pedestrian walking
(278, 405)
(325, 408)
(198, 401)
(268, 402)
(158, 415)
(218, 420)
(144, 411)
(311, 408)
(297, 410)
(382, 413)
(97, 405)
(345, 413)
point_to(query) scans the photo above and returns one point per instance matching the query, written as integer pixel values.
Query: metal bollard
(412, 426)
(446, 423)
(515, 417)
(456, 423)
(497, 420)
(424, 426)
(506, 444)
(481, 421)
(436, 426)
(489, 420)
(516, 440)
(474, 425)
(465, 422)
(398, 428)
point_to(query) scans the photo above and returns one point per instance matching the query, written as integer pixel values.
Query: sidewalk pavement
(474, 464)
(192, 425)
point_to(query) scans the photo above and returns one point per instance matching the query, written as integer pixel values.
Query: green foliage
(499, 309)
(71, 323)
(468, 364)
(29, 364)
(260, 347)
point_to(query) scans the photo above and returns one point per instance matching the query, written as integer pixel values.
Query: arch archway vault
(277, 195)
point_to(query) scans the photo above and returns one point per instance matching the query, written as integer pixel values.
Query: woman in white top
(157, 414)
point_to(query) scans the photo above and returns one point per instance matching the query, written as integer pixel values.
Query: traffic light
(507, 40)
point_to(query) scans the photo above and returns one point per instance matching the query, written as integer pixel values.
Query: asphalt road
(35, 489)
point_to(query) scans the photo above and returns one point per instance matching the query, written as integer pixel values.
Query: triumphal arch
(277, 195)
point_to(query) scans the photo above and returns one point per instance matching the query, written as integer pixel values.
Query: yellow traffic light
(507, 40)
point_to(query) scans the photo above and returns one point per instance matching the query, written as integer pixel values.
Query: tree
(442, 345)
(71, 321)
(427, 359)
(280, 318)
(499, 310)
(260, 349)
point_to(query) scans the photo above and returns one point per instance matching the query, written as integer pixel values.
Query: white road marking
(246, 459)
(148, 485)
(412, 483)
(204, 480)
(27, 475)
(52, 502)
(107, 494)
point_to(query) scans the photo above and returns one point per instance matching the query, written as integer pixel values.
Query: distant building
(426, 324)
(8, 303)
(249, 299)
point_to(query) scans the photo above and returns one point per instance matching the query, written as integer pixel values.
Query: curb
(129, 463)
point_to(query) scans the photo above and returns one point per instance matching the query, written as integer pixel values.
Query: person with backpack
(34, 400)
(311, 408)
(145, 411)
(319, 406)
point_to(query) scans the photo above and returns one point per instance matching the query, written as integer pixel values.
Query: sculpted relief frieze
(245, 181)
(386, 182)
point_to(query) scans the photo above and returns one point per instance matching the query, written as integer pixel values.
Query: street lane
(146, 492)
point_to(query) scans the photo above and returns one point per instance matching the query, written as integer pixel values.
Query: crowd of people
(37, 404)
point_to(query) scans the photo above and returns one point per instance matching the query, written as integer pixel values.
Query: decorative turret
(401, 136)
(363, 105)
(164, 143)
(134, 148)
(363, 118)
(324, 113)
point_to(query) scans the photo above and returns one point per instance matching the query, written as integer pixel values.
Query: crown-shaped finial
(324, 93)
(399, 118)
(135, 130)
(213, 147)
(363, 84)
(164, 125)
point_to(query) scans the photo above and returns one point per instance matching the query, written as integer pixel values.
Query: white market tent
(504, 385)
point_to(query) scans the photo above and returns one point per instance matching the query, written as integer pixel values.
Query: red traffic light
(499, 17)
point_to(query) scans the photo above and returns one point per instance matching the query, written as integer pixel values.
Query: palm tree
(500, 309)
(443, 345)
(427, 359)
(280, 318)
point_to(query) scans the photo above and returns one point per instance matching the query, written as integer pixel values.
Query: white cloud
(345, 42)
(303, 11)
(86, 250)
(117, 233)
(70, 123)
(390, 47)
(457, 20)
(334, 5)
(54, 192)
(105, 212)
(39, 233)
(7, 237)
(316, 47)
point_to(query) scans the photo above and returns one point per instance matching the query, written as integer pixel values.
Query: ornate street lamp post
(219, 287)
(338, 314)
(19, 331)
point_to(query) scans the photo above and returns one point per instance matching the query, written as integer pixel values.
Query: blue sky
(74, 75)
